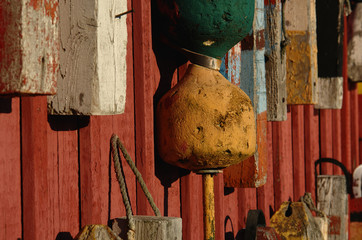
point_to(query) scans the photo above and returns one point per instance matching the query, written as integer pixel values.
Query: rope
(116, 145)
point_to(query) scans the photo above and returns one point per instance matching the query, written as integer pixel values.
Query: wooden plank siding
(57, 175)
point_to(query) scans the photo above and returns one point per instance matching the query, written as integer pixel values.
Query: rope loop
(116, 144)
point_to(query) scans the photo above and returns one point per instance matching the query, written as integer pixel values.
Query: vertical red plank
(10, 172)
(298, 151)
(231, 212)
(123, 126)
(354, 125)
(36, 197)
(311, 133)
(336, 136)
(191, 206)
(246, 201)
(145, 77)
(94, 170)
(219, 207)
(346, 109)
(282, 158)
(266, 192)
(326, 143)
(68, 181)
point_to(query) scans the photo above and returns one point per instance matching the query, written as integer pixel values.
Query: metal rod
(209, 206)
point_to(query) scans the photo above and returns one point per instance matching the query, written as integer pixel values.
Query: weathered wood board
(300, 21)
(355, 45)
(275, 65)
(330, 50)
(92, 78)
(29, 47)
(333, 201)
(150, 227)
(246, 68)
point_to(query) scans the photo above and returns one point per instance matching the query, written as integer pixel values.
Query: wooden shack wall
(57, 175)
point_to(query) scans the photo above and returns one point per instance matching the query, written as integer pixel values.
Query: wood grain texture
(326, 139)
(282, 161)
(330, 93)
(300, 19)
(150, 227)
(354, 125)
(337, 140)
(355, 44)
(275, 65)
(191, 207)
(265, 193)
(36, 186)
(333, 201)
(94, 170)
(346, 110)
(29, 47)
(298, 151)
(10, 171)
(312, 146)
(146, 77)
(92, 78)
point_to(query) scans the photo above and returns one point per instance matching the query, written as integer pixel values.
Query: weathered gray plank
(150, 228)
(275, 65)
(332, 199)
(92, 78)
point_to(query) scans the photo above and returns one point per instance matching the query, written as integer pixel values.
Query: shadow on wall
(67, 123)
(230, 235)
(5, 105)
(168, 60)
(64, 236)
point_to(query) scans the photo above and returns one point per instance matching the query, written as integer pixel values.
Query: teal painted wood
(206, 27)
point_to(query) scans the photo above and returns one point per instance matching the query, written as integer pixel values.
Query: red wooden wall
(56, 174)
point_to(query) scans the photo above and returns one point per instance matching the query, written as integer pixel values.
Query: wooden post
(355, 45)
(330, 50)
(150, 227)
(93, 70)
(332, 199)
(275, 72)
(29, 47)
(246, 68)
(300, 21)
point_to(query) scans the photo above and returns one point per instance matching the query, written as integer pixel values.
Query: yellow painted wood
(294, 221)
(302, 69)
(209, 206)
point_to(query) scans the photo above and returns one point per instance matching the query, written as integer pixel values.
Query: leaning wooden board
(29, 47)
(300, 21)
(355, 45)
(246, 68)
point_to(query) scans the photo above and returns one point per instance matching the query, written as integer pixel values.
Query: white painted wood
(355, 46)
(29, 46)
(93, 70)
(150, 228)
(330, 93)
